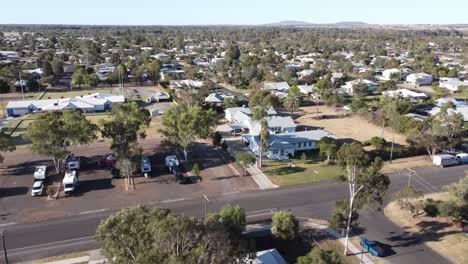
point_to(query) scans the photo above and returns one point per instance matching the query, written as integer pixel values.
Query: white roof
(79, 102)
(306, 88)
(37, 184)
(271, 256)
(405, 93)
(69, 177)
(280, 86)
(217, 98)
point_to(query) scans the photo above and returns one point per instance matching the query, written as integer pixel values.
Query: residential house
(306, 89)
(304, 73)
(286, 145)
(271, 256)
(391, 74)
(452, 84)
(442, 101)
(406, 94)
(348, 88)
(419, 79)
(217, 98)
(276, 86)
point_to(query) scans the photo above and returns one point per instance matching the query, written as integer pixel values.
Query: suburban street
(72, 234)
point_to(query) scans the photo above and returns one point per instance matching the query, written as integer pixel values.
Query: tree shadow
(93, 185)
(12, 191)
(286, 170)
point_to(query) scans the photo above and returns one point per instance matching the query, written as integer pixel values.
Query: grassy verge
(439, 233)
(65, 257)
(281, 174)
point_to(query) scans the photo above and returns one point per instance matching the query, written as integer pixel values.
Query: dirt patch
(348, 128)
(439, 233)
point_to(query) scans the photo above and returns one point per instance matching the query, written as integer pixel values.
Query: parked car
(462, 158)
(109, 160)
(145, 165)
(372, 247)
(38, 188)
(40, 173)
(73, 162)
(70, 181)
(443, 160)
(172, 163)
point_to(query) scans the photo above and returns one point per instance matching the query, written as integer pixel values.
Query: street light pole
(206, 204)
(4, 247)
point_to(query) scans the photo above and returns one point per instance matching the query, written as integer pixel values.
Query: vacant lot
(281, 174)
(351, 128)
(439, 233)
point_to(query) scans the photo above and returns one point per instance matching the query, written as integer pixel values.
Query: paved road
(41, 239)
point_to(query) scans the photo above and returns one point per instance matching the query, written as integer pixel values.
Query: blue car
(372, 247)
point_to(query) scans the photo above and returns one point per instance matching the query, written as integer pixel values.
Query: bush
(50, 191)
(285, 225)
(431, 208)
(216, 139)
(196, 169)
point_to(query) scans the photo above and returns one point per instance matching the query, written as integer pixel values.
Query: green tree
(360, 89)
(403, 198)
(245, 159)
(4, 86)
(32, 85)
(391, 64)
(260, 102)
(139, 235)
(153, 70)
(182, 124)
(365, 183)
(57, 67)
(453, 73)
(319, 256)
(328, 147)
(378, 143)
(55, 133)
(459, 190)
(126, 125)
(284, 225)
(47, 69)
(79, 77)
(6, 144)
(292, 101)
(233, 218)
(217, 138)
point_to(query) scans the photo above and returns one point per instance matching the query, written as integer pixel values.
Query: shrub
(196, 169)
(431, 208)
(285, 225)
(50, 191)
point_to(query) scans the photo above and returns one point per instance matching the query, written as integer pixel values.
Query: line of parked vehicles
(444, 160)
(70, 180)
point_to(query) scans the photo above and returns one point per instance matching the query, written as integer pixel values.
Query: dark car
(373, 247)
(181, 179)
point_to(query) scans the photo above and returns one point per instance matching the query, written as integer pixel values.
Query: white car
(38, 188)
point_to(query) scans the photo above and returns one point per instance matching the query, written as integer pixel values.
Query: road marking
(51, 243)
(8, 224)
(94, 211)
(21, 251)
(173, 200)
(228, 193)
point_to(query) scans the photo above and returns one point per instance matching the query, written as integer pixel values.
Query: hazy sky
(196, 12)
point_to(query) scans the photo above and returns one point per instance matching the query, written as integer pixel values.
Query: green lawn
(55, 95)
(312, 171)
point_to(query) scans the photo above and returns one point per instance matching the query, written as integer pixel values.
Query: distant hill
(351, 23)
(289, 23)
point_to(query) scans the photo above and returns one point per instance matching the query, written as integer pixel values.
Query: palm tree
(292, 102)
(260, 102)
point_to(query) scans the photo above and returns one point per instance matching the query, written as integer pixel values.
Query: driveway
(98, 192)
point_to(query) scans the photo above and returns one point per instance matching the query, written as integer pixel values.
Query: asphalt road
(55, 237)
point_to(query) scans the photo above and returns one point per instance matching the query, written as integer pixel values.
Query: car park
(38, 188)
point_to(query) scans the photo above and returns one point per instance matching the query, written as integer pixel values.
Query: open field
(350, 128)
(439, 233)
(311, 171)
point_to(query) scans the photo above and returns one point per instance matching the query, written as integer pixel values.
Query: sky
(237, 12)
